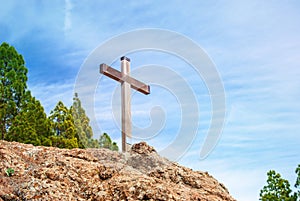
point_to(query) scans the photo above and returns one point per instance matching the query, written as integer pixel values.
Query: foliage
(84, 132)
(62, 142)
(62, 124)
(114, 147)
(106, 142)
(277, 189)
(13, 77)
(31, 124)
(22, 117)
(9, 172)
(93, 143)
(297, 185)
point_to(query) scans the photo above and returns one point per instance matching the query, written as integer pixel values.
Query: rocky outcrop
(48, 173)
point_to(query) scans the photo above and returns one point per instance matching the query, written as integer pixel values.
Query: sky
(249, 49)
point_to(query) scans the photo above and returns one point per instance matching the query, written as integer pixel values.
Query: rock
(48, 173)
(142, 148)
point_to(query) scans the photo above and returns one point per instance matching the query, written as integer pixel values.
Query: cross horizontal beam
(117, 75)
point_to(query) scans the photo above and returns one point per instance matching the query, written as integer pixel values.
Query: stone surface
(48, 173)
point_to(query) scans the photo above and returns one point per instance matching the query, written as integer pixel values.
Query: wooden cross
(126, 82)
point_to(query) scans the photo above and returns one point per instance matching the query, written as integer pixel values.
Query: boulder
(48, 173)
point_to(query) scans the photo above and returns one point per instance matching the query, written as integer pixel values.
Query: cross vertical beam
(127, 82)
(125, 103)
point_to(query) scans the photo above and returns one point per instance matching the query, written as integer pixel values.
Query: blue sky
(255, 46)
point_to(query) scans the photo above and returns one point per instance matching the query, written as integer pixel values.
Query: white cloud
(68, 16)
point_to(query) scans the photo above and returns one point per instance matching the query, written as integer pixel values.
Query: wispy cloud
(50, 94)
(68, 16)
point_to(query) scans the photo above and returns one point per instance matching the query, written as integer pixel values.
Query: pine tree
(84, 131)
(63, 127)
(278, 189)
(93, 143)
(13, 77)
(114, 146)
(106, 142)
(31, 124)
(297, 185)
